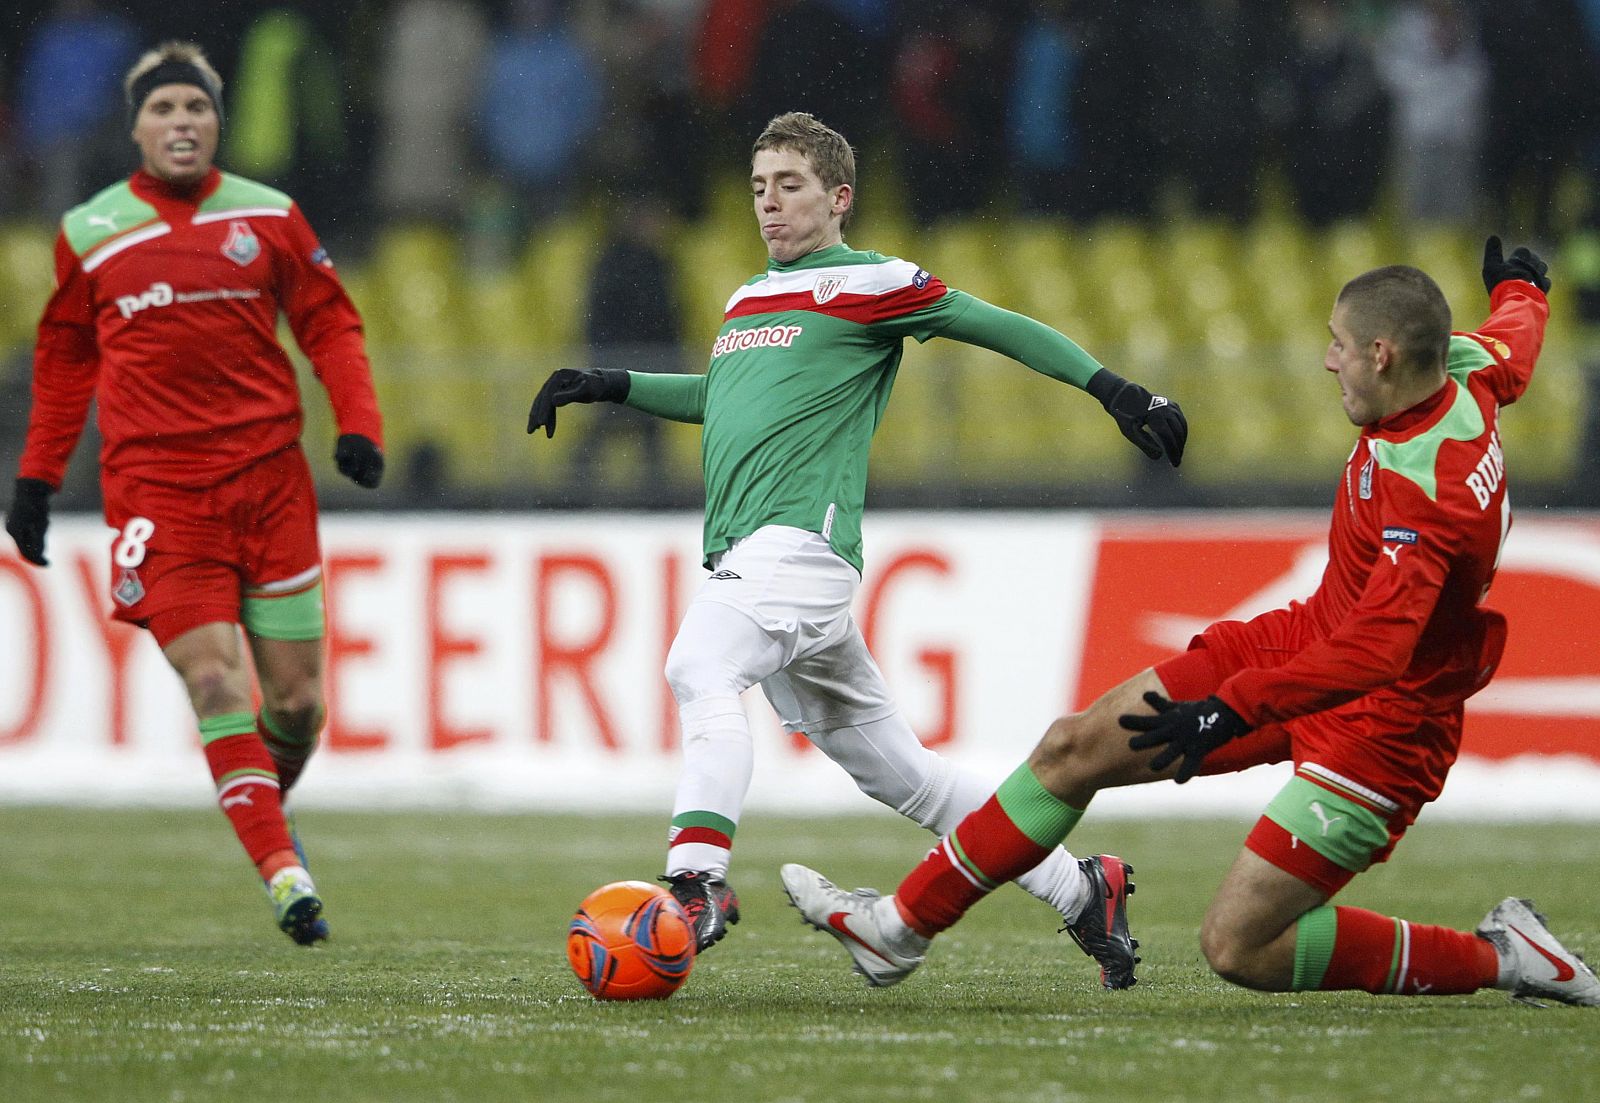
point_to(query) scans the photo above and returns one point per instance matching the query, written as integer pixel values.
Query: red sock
(247, 790)
(986, 850)
(1374, 953)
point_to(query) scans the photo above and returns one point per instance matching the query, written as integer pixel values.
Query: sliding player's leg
(1010, 833)
(1271, 926)
(836, 695)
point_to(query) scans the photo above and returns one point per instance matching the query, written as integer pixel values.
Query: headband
(171, 71)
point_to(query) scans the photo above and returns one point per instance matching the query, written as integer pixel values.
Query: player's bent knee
(1231, 956)
(1068, 752)
(300, 721)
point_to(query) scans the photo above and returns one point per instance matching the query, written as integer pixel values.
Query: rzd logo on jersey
(242, 247)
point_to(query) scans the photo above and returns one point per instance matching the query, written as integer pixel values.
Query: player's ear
(1383, 353)
(843, 196)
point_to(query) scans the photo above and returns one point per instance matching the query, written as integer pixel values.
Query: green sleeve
(1021, 338)
(675, 397)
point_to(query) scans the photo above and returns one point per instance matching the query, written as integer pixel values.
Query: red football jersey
(166, 310)
(1418, 523)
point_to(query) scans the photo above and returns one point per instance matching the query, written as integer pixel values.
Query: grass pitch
(138, 961)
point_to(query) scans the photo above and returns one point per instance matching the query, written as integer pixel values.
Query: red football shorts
(183, 557)
(1393, 751)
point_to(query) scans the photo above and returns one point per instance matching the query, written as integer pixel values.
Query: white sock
(718, 760)
(949, 794)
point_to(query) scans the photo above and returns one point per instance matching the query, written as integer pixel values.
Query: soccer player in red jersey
(1361, 686)
(168, 290)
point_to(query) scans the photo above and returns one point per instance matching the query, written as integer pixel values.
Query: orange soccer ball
(630, 940)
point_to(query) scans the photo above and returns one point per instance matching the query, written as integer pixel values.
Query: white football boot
(1533, 964)
(866, 923)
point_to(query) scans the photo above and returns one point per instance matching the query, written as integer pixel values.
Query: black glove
(359, 460)
(28, 517)
(1187, 729)
(575, 385)
(1151, 422)
(1524, 264)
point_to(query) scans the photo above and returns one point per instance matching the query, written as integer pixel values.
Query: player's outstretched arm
(1154, 424)
(568, 385)
(1514, 330)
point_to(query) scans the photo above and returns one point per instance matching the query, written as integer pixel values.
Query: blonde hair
(823, 147)
(187, 52)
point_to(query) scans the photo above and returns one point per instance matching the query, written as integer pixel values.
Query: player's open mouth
(182, 147)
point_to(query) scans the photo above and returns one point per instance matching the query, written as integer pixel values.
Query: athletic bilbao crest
(241, 246)
(827, 288)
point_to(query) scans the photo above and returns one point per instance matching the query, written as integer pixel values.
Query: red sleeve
(1372, 646)
(1513, 335)
(328, 330)
(66, 365)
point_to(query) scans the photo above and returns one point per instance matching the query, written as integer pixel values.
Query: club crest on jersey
(827, 288)
(128, 590)
(1367, 470)
(241, 246)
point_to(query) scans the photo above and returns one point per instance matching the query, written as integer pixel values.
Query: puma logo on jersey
(1399, 537)
(1326, 820)
(109, 221)
(1491, 469)
(762, 337)
(237, 799)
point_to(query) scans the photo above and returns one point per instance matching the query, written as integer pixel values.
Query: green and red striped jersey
(800, 374)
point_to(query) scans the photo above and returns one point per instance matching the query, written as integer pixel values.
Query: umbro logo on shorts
(723, 576)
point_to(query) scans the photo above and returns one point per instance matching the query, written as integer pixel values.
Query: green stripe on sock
(710, 820)
(1315, 933)
(251, 771)
(213, 728)
(1394, 957)
(1038, 813)
(969, 865)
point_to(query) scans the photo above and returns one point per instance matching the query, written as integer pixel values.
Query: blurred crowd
(492, 115)
(489, 123)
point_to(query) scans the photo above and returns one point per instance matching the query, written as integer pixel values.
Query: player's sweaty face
(797, 215)
(176, 132)
(1356, 367)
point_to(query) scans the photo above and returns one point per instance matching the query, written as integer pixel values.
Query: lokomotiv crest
(241, 247)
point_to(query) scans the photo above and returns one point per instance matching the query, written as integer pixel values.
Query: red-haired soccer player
(1362, 686)
(168, 290)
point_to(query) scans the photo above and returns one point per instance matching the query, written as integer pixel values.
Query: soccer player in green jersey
(798, 380)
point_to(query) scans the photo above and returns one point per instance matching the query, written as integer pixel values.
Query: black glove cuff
(1104, 385)
(33, 491)
(616, 383)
